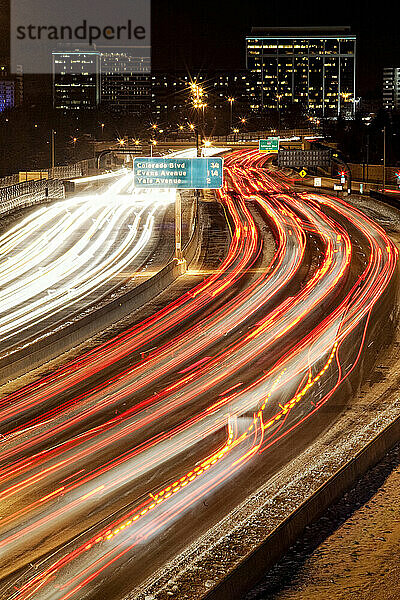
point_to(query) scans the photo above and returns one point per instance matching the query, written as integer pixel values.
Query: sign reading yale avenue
(178, 173)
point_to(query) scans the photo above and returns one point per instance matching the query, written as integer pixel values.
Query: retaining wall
(254, 567)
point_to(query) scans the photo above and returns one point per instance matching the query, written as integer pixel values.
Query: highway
(63, 256)
(66, 256)
(117, 461)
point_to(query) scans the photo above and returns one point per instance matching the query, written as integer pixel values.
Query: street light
(121, 142)
(153, 143)
(231, 100)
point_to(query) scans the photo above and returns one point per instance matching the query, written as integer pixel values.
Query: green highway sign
(178, 173)
(271, 144)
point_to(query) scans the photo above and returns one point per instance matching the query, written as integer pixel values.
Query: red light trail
(299, 332)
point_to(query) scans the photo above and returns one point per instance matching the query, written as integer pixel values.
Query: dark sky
(210, 33)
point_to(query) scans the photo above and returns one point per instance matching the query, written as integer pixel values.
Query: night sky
(196, 34)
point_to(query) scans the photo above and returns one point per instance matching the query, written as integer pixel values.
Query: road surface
(114, 463)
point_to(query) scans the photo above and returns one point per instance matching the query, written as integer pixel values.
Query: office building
(7, 94)
(76, 80)
(87, 79)
(391, 88)
(125, 83)
(11, 86)
(312, 67)
(171, 92)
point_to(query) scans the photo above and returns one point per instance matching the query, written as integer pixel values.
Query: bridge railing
(78, 169)
(28, 193)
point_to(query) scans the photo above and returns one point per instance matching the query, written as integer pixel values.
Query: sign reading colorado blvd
(179, 173)
(271, 144)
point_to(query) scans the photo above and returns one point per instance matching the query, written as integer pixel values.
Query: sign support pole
(178, 234)
(178, 226)
(197, 191)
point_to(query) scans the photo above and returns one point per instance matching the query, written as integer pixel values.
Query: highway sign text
(178, 173)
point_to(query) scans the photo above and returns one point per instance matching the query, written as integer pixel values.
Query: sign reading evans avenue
(178, 173)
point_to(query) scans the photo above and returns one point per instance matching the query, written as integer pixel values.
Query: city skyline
(209, 35)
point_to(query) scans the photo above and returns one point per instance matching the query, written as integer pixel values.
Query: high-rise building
(11, 86)
(115, 80)
(125, 83)
(312, 67)
(391, 88)
(170, 93)
(7, 94)
(76, 80)
(239, 85)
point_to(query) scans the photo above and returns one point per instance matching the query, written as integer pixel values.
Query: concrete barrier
(28, 194)
(255, 565)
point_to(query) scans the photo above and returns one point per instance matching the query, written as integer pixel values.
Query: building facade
(391, 88)
(85, 80)
(125, 83)
(76, 80)
(313, 68)
(171, 97)
(11, 87)
(7, 94)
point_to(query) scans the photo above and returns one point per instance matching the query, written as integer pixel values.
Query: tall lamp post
(231, 100)
(198, 104)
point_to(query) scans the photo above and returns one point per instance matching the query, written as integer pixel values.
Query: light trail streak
(62, 253)
(314, 329)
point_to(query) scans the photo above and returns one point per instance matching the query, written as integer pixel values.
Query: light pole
(193, 128)
(231, 100)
